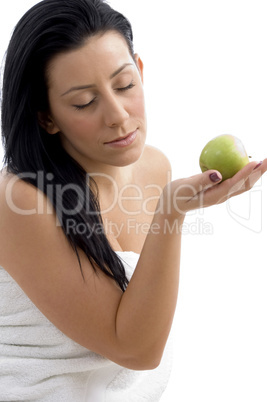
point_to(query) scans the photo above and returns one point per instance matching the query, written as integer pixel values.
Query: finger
(200, 184)
(254, 176)
(242, 181)
(189, 188)
(261, 166)
(186, 194)
(245, 178)
(203, 181)
(244, 173)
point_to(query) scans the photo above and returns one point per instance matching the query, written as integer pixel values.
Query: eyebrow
(118, 71)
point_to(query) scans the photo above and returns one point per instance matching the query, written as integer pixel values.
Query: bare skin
(129, 328)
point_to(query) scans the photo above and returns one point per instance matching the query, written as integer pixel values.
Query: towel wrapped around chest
(39, 363)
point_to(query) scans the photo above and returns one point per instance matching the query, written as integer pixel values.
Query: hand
(206, 189)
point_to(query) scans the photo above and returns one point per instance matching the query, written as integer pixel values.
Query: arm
(154, 285)
(129, 328)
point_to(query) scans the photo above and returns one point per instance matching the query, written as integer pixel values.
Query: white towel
(39, 363)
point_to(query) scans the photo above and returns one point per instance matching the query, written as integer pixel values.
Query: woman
(91, 225)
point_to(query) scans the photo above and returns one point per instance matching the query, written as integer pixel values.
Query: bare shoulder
(155, 156)
(16, 194)
(21, 204)
(21, 216)
(156, 165)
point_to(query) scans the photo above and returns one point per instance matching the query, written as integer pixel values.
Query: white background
(205, 75)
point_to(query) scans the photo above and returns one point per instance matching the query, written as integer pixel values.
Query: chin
(130, 157)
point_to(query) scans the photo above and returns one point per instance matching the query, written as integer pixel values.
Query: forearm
(147, 307)
(145, 312)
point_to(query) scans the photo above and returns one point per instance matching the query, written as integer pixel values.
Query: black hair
(47, 29)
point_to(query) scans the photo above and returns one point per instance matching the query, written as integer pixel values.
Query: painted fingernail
(258, 165)
(214, 177)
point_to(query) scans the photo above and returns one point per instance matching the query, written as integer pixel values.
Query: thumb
(203, 182)
(207, 179)
(187, 194)
(215, 176)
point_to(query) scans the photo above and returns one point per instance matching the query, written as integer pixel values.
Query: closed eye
(131, 85)
(80, 107)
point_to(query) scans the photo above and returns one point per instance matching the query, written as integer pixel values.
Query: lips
(123, 141)
(120, 138)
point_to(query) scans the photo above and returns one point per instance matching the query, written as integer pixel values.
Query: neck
(112, 176)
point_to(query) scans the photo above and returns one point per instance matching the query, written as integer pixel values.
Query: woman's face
(97, 103)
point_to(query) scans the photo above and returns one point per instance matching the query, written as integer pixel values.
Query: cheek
(75, 124)
(82, 125)
(138, 106)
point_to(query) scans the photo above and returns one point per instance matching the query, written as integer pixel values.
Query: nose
(115, 113)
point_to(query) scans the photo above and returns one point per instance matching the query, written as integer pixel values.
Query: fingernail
(258, 165)
(214, 177)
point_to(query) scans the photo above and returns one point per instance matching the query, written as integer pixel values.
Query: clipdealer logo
(247, 211)
(132, 227)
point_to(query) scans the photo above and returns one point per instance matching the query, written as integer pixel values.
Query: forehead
(101, 53)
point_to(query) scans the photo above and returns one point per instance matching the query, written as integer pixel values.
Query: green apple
(224, 153)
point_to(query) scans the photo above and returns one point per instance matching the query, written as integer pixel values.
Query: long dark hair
(48, 28)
